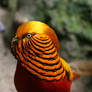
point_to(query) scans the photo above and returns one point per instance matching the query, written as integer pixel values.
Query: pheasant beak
(15, 40)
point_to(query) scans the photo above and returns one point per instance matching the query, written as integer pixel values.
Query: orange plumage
(39, 67)
(38, 27)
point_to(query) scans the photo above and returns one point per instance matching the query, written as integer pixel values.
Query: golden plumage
(42, 34)
(38, 27)
(36, 47)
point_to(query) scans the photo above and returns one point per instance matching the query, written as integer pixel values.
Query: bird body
(39, 66)
(27, 82)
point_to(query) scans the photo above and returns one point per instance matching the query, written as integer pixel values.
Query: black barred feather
(40, 57)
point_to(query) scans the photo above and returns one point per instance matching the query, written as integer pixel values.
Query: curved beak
(15, 40)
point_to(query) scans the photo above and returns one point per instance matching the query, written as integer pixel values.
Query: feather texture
(39, 67)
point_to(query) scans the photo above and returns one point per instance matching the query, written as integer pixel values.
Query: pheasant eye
(28, 35)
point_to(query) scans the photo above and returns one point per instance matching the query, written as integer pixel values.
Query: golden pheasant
(39, 67)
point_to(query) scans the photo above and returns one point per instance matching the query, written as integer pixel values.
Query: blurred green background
(71, 20)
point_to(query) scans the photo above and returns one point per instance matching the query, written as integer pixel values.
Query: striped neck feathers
(39, 56)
